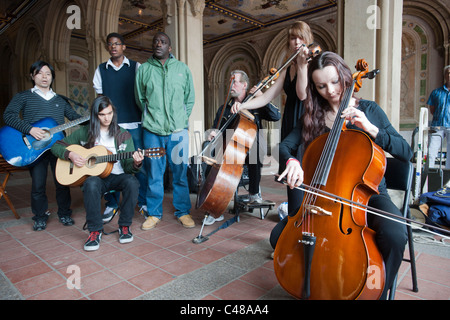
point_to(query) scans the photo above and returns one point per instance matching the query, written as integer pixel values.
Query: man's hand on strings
(76, 159)
(37, 133)
(138, 157)
(236, 107)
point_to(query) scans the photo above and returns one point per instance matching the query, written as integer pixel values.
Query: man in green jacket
(165, 93)
(104, 130)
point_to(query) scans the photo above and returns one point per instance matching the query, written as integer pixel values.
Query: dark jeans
(390, 236)
(112, 199)
(39, 200)
(95, 187)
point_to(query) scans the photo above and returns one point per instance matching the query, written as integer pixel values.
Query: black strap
(70, 101)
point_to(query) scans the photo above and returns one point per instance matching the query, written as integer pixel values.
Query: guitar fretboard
(69, 124)
(150, 153)
(114, 157)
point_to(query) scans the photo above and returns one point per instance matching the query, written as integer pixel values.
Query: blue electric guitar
(21, 150)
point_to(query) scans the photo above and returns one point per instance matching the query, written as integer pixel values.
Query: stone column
(389, 57)
(183, 22)
(372, 29)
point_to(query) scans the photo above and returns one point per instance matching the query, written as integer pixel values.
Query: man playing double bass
(238, 92)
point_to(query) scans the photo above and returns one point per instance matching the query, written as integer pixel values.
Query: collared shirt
(440, 100)
(98, 85)
(47, 96)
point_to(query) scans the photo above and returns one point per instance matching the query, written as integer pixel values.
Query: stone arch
(57, 40)
(415, 70)
(29, 48)
(232, 56)
(424, 54)
(437, 16)
(324, 37)
(9, 77)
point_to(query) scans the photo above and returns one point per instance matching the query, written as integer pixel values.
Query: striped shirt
(28, 107)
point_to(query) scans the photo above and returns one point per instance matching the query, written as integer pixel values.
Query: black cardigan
(388, 138)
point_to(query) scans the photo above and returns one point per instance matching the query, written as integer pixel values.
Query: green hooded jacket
(165, 94)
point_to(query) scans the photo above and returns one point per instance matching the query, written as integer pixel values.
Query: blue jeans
(177, 154)
(112, 199)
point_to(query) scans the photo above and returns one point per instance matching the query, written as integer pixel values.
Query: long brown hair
(315, 105)
(99, 104)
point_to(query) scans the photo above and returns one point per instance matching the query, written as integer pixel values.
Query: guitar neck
(69, 124)
(114, 157)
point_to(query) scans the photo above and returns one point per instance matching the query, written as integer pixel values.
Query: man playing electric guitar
(104, 130)
(29, 107)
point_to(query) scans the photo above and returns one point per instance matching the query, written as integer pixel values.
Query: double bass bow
(326, 251)
(226, 168)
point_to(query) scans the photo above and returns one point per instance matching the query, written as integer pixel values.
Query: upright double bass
(326, 251)
(226, 169)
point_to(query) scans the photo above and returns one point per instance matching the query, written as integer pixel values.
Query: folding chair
(399, 176)
(8, 169)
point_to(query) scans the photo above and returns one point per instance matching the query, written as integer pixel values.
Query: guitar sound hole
(91, 162)
(47, 135)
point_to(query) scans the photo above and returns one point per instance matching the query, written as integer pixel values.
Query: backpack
(439, 206)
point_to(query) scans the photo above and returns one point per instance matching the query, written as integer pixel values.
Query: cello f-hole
(348, 231)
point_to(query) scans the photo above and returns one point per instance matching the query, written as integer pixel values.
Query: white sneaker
(143, 211)
(109, 214)
(209, 220)
(255, 198)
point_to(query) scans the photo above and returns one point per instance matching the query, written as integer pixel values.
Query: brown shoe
(150, 223)
(187, 221)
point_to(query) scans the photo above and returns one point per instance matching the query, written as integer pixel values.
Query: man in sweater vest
(27, 108)
(115, 79)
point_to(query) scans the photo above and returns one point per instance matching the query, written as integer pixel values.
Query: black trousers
(39, 200)
(95, 187)
(254, 177)
(391, 236)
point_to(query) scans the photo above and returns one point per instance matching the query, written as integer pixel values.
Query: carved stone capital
(197, 7)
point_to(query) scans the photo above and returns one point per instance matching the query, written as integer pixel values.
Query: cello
(226, 169)
(326, 251)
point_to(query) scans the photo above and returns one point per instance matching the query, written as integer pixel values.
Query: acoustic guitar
(99, 162)
(21, 150)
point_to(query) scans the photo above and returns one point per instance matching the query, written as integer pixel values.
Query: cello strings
(374, 211)
(332, 141)
(324, 165)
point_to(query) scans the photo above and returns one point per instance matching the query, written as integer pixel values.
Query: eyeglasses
(114, 44)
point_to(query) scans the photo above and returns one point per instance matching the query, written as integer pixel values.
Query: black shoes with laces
(125, 235)
(93, 241)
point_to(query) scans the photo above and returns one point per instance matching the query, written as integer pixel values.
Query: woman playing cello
(328, 77)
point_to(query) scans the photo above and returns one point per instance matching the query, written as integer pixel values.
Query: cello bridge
(317, 210)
